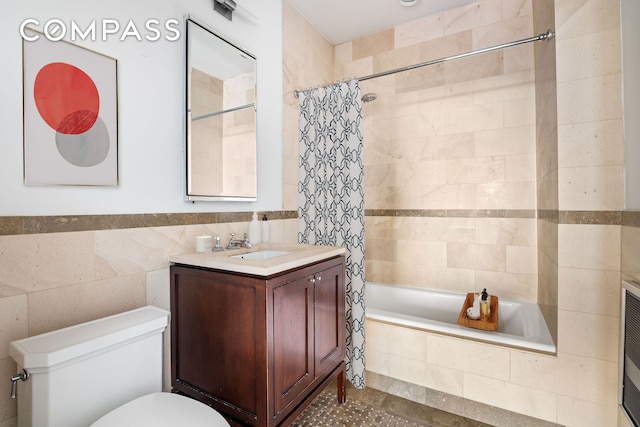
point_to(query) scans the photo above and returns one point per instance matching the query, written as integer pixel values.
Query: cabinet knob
(318, 278)
(312, 279)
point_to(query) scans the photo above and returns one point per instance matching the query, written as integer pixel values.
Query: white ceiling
(343, 20)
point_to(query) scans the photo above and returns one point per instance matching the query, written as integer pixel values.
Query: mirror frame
(188, 144)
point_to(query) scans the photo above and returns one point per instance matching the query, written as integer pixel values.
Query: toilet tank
(78, 374)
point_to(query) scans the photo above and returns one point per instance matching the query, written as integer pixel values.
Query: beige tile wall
(454, 254)
(458, 135)
(307, 62)
(629, 252)
(580, 169)
(547, 163)
(54, 280)
(589, 117)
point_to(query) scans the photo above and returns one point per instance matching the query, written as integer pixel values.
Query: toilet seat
(162, 410)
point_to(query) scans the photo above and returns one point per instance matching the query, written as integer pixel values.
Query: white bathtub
(520, 324)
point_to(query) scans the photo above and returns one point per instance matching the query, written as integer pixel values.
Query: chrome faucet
(237, 244)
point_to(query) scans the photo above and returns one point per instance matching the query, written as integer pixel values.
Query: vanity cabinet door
(329, 317)
(293, 332)
(218, 334)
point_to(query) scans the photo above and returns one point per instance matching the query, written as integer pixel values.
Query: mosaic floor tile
(373, 408)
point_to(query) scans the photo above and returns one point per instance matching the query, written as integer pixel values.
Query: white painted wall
(631, 96)
(150, 79)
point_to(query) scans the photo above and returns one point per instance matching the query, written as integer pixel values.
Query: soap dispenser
(265, 229)
(485, 306)
(255, 235)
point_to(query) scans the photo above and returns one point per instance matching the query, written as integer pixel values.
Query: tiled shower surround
(503, 170)
(465, 208)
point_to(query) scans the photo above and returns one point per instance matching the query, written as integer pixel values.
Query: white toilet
(103, 373)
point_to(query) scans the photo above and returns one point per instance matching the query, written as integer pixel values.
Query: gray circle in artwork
(86, 149)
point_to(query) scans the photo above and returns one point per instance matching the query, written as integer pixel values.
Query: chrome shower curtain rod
(540, 37)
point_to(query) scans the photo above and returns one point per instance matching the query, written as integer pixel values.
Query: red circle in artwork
(66, 98)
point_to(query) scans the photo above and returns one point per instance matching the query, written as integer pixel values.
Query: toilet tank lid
(48, 350)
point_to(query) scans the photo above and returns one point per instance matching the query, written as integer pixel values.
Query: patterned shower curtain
(331, 195)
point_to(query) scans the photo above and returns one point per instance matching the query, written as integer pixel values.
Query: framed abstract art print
(70, 115)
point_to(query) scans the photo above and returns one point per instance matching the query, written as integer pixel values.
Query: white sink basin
(266, 254)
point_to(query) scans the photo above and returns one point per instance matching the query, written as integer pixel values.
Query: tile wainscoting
(13, 225)
(10, 225)
(62, 270)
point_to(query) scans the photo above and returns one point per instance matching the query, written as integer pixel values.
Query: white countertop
(298, 256)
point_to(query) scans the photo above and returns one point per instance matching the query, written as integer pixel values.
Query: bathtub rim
(458, 331)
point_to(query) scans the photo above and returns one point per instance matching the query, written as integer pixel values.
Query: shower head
(368, 97)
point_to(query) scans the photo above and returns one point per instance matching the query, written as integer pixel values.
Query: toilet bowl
(162, 410)
(107, 372)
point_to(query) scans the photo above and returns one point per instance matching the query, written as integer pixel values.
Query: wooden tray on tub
(486, 325)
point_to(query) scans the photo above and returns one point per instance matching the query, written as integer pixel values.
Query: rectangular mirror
(220, 117)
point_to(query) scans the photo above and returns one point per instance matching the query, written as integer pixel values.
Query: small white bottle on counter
(255, 232)
(265, 229)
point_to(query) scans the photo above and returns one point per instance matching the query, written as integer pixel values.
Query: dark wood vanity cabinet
(258, 349)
